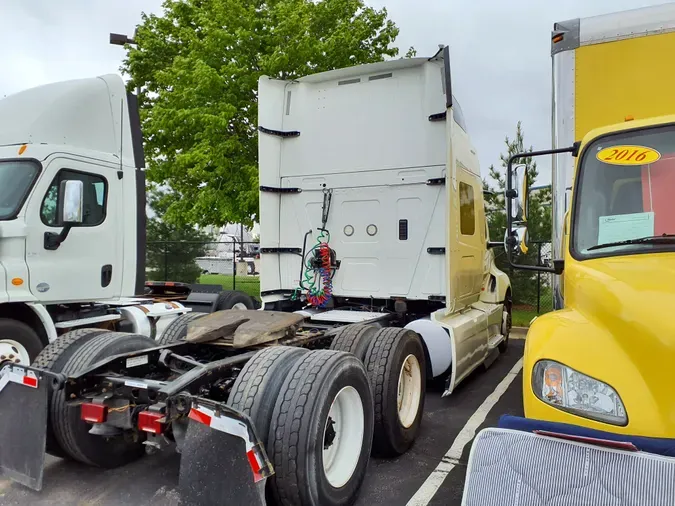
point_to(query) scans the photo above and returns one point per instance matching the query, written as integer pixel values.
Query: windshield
(16, 179)
(625, 200)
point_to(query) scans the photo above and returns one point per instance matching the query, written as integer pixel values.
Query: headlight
(574, 392)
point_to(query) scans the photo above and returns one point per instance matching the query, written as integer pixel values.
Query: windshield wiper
(654, 239)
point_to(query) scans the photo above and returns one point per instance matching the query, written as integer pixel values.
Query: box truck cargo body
(606, 69)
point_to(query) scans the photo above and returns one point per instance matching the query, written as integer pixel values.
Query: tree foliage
(198, 65)
(523, 283)
(172, 249)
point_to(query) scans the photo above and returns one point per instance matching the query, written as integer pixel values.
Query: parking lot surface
(428, 474)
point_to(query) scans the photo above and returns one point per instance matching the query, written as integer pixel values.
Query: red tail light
(149, 421)
(93, 413)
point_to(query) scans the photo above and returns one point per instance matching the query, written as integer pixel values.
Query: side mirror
(516, 242)
(69, 213)
(72, 194)
(517, 189)
(520, 194)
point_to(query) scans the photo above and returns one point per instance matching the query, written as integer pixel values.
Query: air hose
(318, 272)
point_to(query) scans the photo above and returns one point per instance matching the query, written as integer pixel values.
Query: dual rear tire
(395, 361)
(396, 367)
(314, 412)
(320, 414)
(67, 435)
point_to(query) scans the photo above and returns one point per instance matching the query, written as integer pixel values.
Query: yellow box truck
(606, 70)
(599, 424)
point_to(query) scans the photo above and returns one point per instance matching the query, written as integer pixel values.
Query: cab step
(494, 341)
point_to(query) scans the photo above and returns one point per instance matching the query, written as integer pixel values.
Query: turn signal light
(149, 421)
(94, 413)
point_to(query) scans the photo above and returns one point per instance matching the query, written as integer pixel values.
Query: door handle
(106, 275)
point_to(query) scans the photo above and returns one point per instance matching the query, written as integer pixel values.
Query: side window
(458, 114)
(467, 212)
(94, 201)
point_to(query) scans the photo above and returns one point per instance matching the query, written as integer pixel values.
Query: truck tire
(506, 323)
(72, 433)
(354, 339)
(256, 389)
(396, 368)
(178, 328)
(229, 299)
(321, 431)
(18, 342)
(53, 358)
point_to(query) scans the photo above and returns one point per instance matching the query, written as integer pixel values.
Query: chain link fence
(234, 265)
(532, 291)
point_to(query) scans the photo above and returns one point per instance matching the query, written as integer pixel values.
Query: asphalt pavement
(153, 480)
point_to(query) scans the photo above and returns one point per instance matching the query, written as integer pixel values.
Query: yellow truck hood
(619, 327)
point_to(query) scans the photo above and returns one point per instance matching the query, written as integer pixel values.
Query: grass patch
(250, 285)
(522, 317)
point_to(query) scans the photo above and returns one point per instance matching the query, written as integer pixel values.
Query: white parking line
(429, 488)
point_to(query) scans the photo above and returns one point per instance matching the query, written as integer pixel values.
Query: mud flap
(23, 425)
(222, 459)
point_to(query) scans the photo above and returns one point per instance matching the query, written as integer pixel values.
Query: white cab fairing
(365, 134)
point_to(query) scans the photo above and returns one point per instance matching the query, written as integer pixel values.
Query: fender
(439, 344)
(45, 319)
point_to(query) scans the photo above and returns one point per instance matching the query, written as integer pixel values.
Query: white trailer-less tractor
(65, 266)
(372, 210)
(377, 274)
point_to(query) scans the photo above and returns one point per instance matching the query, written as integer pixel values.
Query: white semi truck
(375, 162)
(377, 274)
(79, 140)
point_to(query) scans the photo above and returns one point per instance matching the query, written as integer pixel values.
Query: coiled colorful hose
(319, 296)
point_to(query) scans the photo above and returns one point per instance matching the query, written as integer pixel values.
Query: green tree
(524, 283)
(172, 249)
(198, 65)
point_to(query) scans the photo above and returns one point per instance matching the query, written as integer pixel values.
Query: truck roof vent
(349, 81)
(381, 76)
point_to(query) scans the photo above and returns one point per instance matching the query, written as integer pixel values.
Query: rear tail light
(150, 421)
(93, 413)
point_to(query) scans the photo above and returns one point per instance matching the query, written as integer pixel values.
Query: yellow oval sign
(628, 155)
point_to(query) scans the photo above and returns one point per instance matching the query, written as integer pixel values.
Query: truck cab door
(86, 266)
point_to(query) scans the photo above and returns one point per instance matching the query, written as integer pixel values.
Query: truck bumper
(658, 446)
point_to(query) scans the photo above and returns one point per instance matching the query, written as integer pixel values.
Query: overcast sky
(500, 52)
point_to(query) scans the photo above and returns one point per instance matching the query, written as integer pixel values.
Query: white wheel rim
(240, 306)
(343, 437)
(409, 391)
(14, 352)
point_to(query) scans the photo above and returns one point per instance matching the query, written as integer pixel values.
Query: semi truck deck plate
(339, 316)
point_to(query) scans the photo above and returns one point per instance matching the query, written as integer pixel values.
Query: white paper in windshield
(623, 227)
